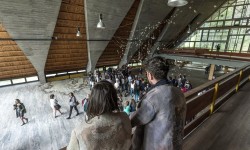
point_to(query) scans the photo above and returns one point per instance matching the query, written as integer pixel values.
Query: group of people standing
(159, 115)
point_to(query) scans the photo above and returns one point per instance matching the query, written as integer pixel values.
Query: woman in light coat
(54, 105)
(106, 127)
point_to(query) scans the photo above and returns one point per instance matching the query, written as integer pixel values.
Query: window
(72, 72)
(61, 73)
(20, 80)
(34, 78)
(50, 75)
(5, 82)
(81, 71)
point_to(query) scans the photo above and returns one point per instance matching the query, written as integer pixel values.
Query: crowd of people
(154, 103)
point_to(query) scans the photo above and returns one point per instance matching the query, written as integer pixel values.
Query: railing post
(216, 88)
(238, 83)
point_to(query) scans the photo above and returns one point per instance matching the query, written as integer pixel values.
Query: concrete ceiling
(113, 12)
(67, 51)
(115, 49)
(13, 62)
(151, 15)
(175, 31)
(31, 20)
(32, 24)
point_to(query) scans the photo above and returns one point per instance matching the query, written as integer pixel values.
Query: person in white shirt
(54, 105)
(132, 88)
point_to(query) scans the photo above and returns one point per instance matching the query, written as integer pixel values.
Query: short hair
(157, 66)
(52, 96)
(72, 94)
(18, 101)
(103, 99)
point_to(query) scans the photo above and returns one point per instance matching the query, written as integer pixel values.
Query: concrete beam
(165, 29)
(151, 14)
(124, 59)
(225, 62)
(113, 12)
(31, 20)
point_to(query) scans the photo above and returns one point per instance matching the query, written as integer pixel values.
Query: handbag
(77, 103)
(57, 106)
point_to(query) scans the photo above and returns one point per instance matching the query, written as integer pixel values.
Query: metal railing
(204, 100)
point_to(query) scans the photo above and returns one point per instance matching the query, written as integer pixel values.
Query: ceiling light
(177, 3)
(100, 24)
(78, 33)
(189, 29)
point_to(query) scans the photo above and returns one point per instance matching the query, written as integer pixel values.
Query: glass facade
(228, 30)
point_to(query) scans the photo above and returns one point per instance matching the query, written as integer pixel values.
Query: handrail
(206, 53)
(200, 107)
(195, 91)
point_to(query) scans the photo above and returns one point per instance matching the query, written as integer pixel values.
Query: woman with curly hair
(20, 111)
(106, 127)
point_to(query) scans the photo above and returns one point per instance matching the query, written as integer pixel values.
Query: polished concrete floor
(43, 130)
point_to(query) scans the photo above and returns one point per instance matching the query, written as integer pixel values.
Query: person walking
(54, 105)
(73, 104)
(85, 103)
(20, 111)
(160, 115)
(106, 127)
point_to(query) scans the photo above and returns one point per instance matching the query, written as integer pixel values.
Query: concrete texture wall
(33, 20)
(113, 12)
(150, 13)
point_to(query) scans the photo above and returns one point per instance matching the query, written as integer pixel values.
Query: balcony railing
(204, 100)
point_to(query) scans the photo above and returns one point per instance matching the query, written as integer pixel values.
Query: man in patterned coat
(160, 117)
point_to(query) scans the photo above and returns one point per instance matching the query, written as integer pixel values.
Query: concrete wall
(33, 20)
(113, 12)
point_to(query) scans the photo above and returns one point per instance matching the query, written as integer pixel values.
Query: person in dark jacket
(20, 111)
(73, 104)
(106, 128)
(160, 115)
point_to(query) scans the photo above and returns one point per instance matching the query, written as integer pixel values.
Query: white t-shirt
(116, 85)
(132, 85)
(53, 102)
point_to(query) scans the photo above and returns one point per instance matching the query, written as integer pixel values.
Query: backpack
(23, 108)
(85, 105)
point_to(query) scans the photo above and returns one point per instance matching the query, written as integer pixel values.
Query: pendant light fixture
(177, 3)
(189, 29)
(100, 24)
(78, 33)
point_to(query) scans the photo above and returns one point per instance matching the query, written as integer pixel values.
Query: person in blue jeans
(73, 104)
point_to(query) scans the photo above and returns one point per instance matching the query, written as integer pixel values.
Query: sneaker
(68, 118)
(77, 114)
(23, 124)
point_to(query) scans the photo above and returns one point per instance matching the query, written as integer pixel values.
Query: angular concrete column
(125, 58)
(149, 13)
(113, 14)
(41, 77)
(211, 72)
(31, 24)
